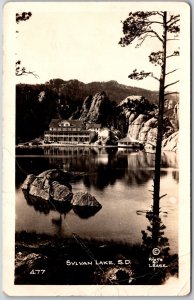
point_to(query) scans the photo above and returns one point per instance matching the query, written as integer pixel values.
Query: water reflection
(44, 206)
(120, 181)
(102, 166)
(85, 212)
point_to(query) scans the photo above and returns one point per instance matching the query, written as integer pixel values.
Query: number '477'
(37, 272)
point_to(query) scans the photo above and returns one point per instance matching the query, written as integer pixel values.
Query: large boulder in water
(85, 199)
(39, 204)
(85, 205)
(50, 185)
(60, 192)
(40, 187)
(28, 181)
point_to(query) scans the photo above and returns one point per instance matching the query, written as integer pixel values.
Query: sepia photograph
(99, 123)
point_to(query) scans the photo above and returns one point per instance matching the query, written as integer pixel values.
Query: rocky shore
(44, 259)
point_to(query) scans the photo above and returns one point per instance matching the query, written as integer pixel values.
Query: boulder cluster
(53, 187)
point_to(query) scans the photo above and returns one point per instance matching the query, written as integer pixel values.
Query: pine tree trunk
(156, 193)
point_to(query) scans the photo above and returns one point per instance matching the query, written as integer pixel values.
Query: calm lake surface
(120, 180)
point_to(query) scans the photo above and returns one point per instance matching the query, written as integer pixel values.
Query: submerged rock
(60, 192)
(45, 207)
(50, 185)
(28, 181)
(51, 190)
(85, 199)
(40, 187)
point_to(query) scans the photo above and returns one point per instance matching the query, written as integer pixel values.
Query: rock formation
(85, 205)
(141, 117)
(96, 109)
(86, 107)
(25, 263)
(28, 181)
(84, 199)
(51, 184)
(51, 189)
(171, 143)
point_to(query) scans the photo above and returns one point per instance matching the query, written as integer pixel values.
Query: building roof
(88, 126)
(56, 123)
(128, 139)
(75, 122)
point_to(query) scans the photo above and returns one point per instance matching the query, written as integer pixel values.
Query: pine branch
(163, 196)
(22, 16)
(171, 84)
(172, 71)
(172, 55)
(20, 73)
(175, 53)
(160, 13)
(142, 39)
(173, 18)
(175, 21)
(151, 75)
(139, 75)
(156, 34)
(19, 70)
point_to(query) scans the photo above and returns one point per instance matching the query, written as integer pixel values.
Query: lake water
(120, 180)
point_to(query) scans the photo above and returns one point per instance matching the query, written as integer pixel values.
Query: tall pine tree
(165, 27)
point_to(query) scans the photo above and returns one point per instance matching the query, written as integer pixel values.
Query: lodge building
(69, 132)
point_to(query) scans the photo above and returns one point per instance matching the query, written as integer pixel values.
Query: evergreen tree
(165, 27)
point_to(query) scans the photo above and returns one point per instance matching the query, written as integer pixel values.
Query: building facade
(69, 132)
(129, 142)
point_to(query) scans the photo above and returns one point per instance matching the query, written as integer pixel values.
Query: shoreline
(133, 149)
(57, 260)
(65, 145)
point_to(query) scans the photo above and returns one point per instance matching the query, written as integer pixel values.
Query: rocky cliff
(36, 105)
(171, 143)
(134, 116)
(96, 109)
(141, 118)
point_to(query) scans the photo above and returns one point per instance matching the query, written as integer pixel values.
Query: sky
(82, 44)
